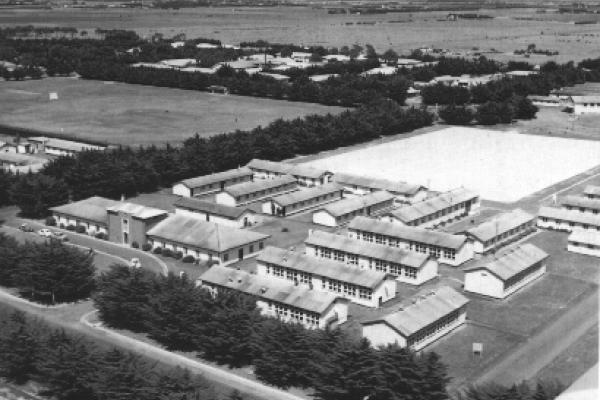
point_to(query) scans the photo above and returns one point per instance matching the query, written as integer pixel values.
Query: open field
(511, 29)
(123, 114)
(501, 166)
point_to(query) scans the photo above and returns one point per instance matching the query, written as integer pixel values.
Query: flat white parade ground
(501, 166)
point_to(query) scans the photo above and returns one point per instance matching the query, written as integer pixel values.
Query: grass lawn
(565, 263)
(530, 308)
(574, 361)
(456, 350)
(124, 114)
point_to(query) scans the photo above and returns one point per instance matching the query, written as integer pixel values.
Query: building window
(226, 257)
(251, 248)
(261, 245)
(338, 255)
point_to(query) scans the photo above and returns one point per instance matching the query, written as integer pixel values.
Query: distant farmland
(123, 114)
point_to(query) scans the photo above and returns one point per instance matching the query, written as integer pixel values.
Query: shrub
(146, 246)
(71, 227)
(284, 229)
(167, 252)
(80, 229)
(62, 226)
(178, 255)
(210, 263)
(101, 235)
(50, 221)
(135, 245)
(188, 259)
(157, 250)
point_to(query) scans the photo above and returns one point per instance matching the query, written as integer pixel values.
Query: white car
(45, 232)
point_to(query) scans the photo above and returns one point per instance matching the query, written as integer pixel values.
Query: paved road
(541, 349)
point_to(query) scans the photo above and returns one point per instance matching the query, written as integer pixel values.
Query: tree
(55, 271)
(35, 193)
(9, 259)
(286, 51)
(524, 108)
(19, 349)
(390, 57)
(456, 115)
(492, 113)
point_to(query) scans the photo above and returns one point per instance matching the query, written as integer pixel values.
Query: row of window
(370, 210)
(296, 314)
(434, 329)
(419, 247)
(440, 213)
(509, 233)
(262, 193)
(313, 201)
(227, 182)
(518, 278)
(585, 245)
(570, 223)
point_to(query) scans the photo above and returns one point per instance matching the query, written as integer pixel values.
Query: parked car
(25, 228)
(45, 232)
(59, 236)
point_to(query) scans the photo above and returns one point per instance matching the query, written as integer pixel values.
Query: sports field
(501, 166)
(119, 113)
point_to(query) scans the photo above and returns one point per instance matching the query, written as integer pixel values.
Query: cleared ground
(501, 166)
(512, 29)
(119, 113)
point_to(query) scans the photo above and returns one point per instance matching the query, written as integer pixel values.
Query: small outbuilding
(343, 211)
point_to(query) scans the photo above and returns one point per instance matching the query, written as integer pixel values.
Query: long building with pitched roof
(420, 321)
(343, 211)
(584, 242)
(212, 183)
(581, 204)
(205, 240)
(405, 266)
(237, 217)
(449, 249)
(500, 230)
(562, 219)
(286, 301)
(366, 287)
(260, 189)
(361, 185)
(438, 210)
(507, 272)
(305, 175)
(302, 200)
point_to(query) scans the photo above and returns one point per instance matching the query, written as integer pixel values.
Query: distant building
(507, 272)
(581, 204)
(584, 242)
(236, 217)
(205, 241)
(285, 301)
(212, 183)
(449, 249)
(90, 213)
(421, 322)
(305, 175)
(60, 147)
(260, 189)
(584, 104)
(438, 210)
(405, 266)
(592, 192)
(322, 77)
(302, 200)
(545, 101)
(342, 212)
(566, 220)
(365, 287)
(128, 222)
(20, 163)
(500, 230)
(360, 185)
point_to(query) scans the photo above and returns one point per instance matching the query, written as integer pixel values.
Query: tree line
(48, 272)
(70, 367)
(229, 329)
(129, 171)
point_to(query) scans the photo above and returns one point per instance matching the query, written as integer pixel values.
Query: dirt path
(541, 349)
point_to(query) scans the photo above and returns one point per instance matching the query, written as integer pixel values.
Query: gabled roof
(367, 249)
(569, 215)
(198, 233)
(20, 159)
(408, 233)
(585, 99)
(216, 177)
(379, 184)
(258, 185)
(209, 207)
(499, 225)
(585, 236)
(350, 204)
(136, 210)
(433, 205)
(581, 201)
(510, 262)
(423, 312)
(270, 289)
(306, 194)
(592, 190)
(286, 168)
(322, 267)
(90, 209)
(64, 144)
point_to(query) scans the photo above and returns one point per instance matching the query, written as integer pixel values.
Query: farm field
(511, 29)
(501, 166)
(123, 114)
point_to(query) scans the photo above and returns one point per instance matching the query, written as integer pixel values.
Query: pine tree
(19, 349)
